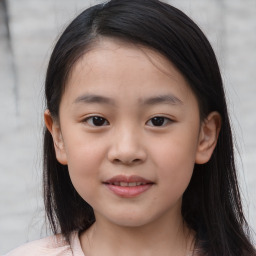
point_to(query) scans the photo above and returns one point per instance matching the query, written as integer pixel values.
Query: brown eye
(96, 121)
(158, 121)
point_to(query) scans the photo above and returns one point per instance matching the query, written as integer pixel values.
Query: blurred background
(28, 31)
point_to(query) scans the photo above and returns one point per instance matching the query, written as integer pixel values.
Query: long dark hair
(211, 204)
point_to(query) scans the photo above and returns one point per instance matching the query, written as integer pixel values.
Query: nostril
(127, 155)
(117, 161)
(127, 162)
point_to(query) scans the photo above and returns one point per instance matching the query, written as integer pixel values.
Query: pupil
(158, 121)
(98, 121)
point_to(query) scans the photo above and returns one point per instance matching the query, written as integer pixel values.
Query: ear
(54, 128)
(208, 137)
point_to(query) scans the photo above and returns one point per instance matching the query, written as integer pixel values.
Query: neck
(164, 237)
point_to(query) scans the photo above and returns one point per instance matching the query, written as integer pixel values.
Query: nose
(127, 147)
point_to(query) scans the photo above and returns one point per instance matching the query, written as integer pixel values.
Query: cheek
(175, 159)
(84, 164)
(83, 152)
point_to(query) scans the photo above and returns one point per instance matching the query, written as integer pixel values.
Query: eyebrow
(92, 98)
(160, 99)
(166, 99)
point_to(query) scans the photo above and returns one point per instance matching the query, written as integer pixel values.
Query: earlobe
(54, 128)
(208, 137)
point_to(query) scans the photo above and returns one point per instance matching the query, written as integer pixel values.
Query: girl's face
(130, 132)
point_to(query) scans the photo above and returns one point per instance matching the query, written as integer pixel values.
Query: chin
(134, 223)
(130, 220)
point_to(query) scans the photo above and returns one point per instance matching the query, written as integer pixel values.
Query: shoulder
(50, 246)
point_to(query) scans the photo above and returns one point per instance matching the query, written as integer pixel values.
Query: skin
(128, 142)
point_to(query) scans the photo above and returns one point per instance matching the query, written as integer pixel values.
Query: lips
(128, 186)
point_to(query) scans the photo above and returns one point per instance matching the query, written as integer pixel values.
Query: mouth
(128, 186)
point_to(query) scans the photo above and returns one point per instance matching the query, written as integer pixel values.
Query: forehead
(116, 65)
(107, 50)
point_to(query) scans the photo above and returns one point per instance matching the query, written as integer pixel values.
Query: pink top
(50, 246)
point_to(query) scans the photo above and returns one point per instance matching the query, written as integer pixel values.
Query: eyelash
(161, 120)
(89, 121)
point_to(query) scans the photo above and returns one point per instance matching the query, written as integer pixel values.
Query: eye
(158, 121)
(96, 121)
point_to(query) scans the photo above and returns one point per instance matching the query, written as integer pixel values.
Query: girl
(138, 152)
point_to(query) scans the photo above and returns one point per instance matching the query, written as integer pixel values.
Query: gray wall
(34, 25)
